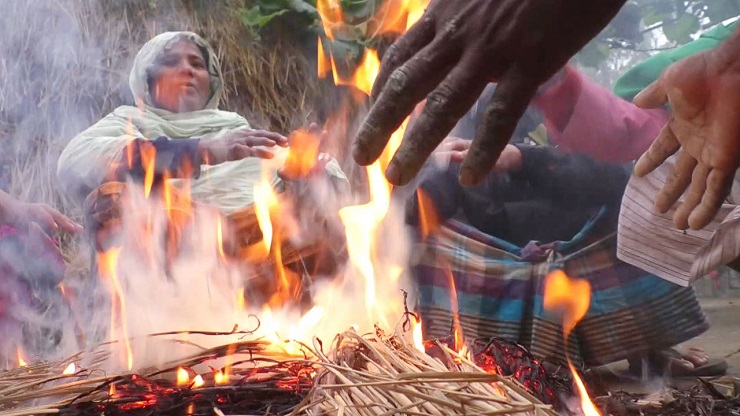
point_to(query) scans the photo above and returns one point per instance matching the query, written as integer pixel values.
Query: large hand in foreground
(451, 54)
(704, 94)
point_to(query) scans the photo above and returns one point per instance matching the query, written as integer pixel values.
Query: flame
(429, 220)
(112, 393)
(572, 298)
(397, 16)
(219, 377)
(148, 159)
(324, 63)
(264, 201)
(21, 361)
(183, 377)
(191, 409)
(331, 15)
(220, 239)
(108, 267)
(416, 334)
(366, 73)
(198, 381)
(459, 340)
(71, 369)
(241, 302)
(302, 155)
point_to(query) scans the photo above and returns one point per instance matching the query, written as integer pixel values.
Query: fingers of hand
(693, 197)
(454, 144)
(405, 47)
(509, 101)
(654, 95)
(64, 222)
(719, 185)
(677, 183)
(665, 145)
(253, 141)
(445, 105)
(264, 134)
(406, 86)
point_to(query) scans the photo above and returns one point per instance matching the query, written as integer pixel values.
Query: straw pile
(360, 375)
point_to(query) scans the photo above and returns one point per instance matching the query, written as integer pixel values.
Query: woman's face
(182, 82)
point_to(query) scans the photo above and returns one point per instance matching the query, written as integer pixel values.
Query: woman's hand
(457, 149)
(240, 144)
(19, 213)
(704, 94)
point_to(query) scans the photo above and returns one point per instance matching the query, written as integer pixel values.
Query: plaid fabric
(500, 294)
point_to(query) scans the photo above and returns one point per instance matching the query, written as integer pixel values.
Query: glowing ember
(572, 298)
(183, 377)
(71, 369)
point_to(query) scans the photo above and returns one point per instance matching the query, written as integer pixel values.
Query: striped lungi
(499, 294)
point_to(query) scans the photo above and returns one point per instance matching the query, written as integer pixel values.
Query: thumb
(653, 96)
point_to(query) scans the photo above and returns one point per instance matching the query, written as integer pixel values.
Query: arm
(572, 180)
(583, 117)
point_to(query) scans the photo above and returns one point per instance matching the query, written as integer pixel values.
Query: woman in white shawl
(177, 85)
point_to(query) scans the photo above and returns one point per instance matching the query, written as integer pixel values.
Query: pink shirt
(581, 116)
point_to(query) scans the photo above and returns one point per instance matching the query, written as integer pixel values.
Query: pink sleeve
(581, 116)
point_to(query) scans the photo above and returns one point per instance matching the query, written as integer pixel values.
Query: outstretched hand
(451, 54)
(19, 213)
(704, 94)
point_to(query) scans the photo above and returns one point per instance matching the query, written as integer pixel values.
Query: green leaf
(681, 30)
(256, 18)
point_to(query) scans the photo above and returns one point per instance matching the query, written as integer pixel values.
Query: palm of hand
(704, 96)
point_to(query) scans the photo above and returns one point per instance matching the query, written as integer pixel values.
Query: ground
(721, 341)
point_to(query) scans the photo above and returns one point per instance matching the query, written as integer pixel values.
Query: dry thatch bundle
(361, 375)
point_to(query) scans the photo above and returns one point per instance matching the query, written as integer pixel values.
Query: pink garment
(581, 116)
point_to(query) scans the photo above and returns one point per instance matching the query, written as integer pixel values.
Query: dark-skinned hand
(451, 54)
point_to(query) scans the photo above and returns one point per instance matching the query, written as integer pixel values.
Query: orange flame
(112, 393)
(148, 158)
(220, 239)
(366, 73)
(183, 377)
(108, 267)
(397, 16)
(71, 369)
(324, 63)
(429, 221)
(457, 329)
(21, 361)
(331, 15)
(572, 298)
(198, 381)
(219, 377)
(302, 155)
(416, 334)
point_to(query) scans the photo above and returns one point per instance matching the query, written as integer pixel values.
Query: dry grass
(64, 64)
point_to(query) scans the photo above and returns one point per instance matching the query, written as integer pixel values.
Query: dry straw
(360, 375)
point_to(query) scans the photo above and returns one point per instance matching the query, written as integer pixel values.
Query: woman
(177, 86)
(543, 209)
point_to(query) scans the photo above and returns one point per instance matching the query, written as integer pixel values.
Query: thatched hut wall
(64, 64)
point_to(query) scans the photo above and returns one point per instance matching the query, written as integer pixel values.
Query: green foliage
(679, 21)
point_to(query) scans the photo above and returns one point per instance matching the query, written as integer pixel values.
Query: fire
(265, 201)
(459, 341)
(71, 369)
(302, 155)
(183, 377)
(220, 239)
(324, 63)
(331, 15)
(108, 267)
(198, 381)
(21, 361)
(429, 221)
(397, 16)
(366, 73)
(572, 298)
(417, 335)
(219, 377)
(148, 158)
